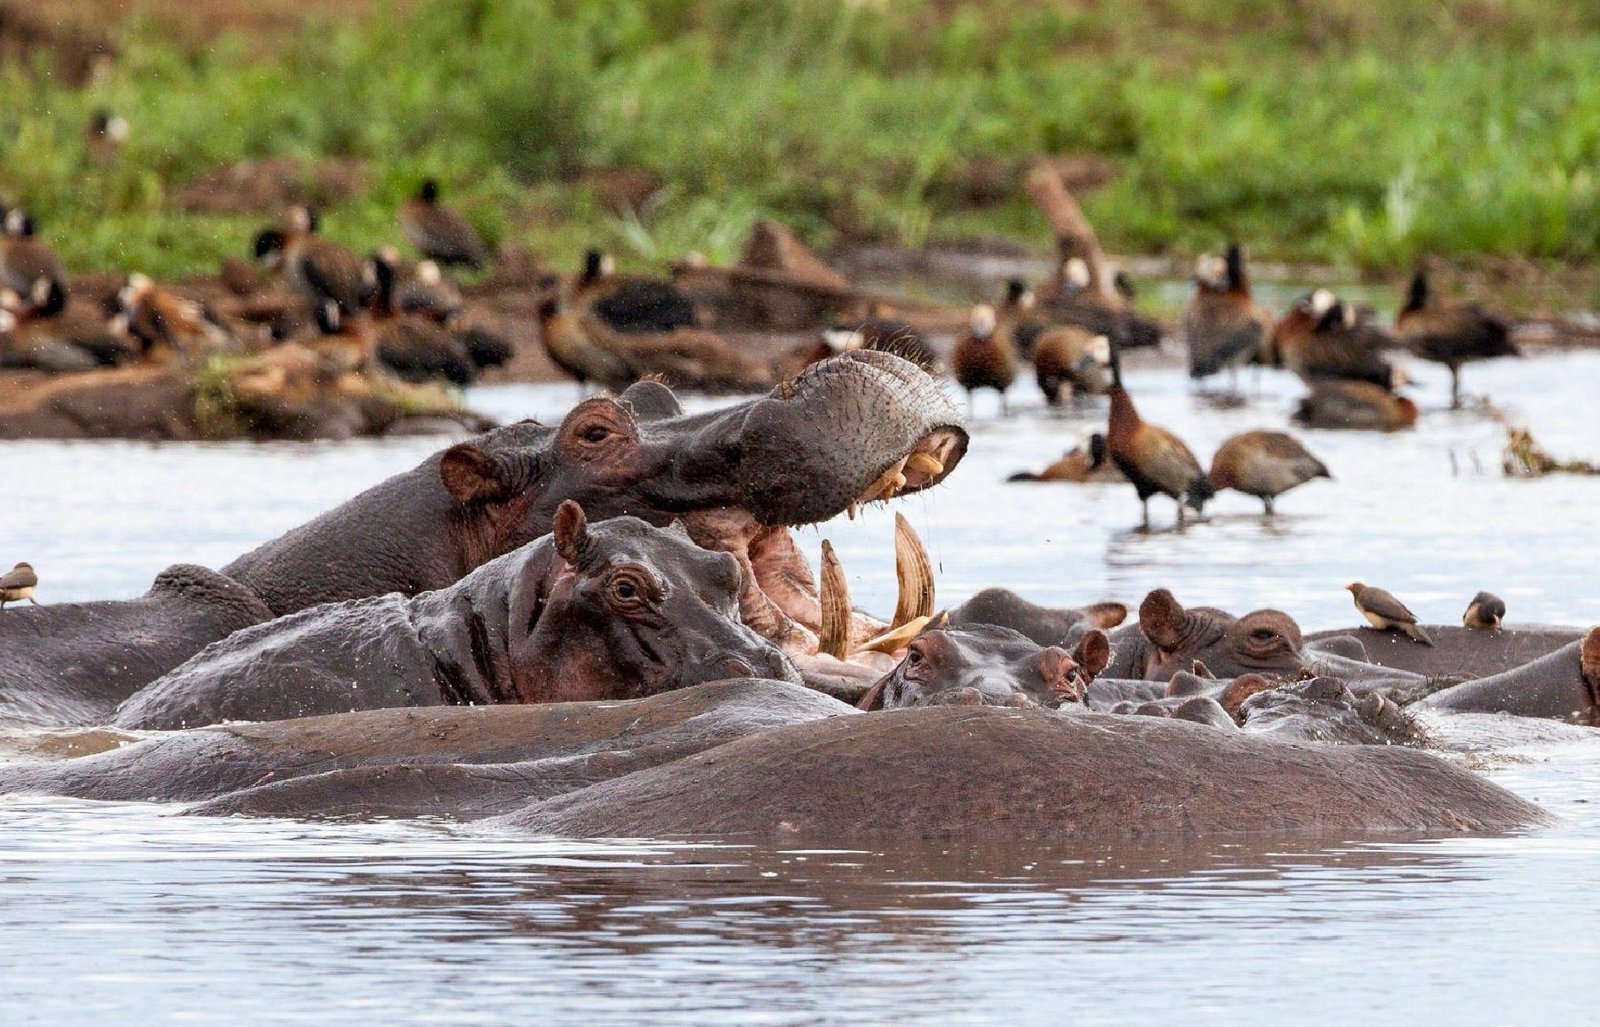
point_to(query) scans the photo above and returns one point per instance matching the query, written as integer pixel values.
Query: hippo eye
(914, 657)
(596, 433)
(630, 591)
(625, 590)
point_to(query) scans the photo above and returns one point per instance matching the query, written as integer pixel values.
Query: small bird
(1484, 613)
(1451, 334)
(1067, 355)
(1322, 338)
(572, 349)
(438, 232)
(1264, 464)
(18, 584)
(169, 328)
(629, 303)
(104, 135)
(1152, 457)
(1335, 403)
(1224, 326)
(1080, 464)
(1384, 612)
(25, 258)
(985, 357)
(313, 266)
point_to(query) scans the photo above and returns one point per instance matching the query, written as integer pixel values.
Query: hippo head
(987, 665)
(861, 427)
(1262, 642)
(1324, 710)
(622, 609)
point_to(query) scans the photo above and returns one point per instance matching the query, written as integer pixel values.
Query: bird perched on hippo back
(615, 610)
(1484, 613)
(1153, 458)
(1384, 612)
(18, 584)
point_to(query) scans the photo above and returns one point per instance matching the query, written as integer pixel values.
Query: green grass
(1367, 135)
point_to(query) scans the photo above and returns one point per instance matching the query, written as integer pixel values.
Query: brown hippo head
(622, 609)
(987, 665)
(1262, 642)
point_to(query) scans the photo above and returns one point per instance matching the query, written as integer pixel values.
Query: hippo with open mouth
(616, 610)
(861, 427)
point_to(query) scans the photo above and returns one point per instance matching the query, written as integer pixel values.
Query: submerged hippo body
(1001, 774)
(1456, 651)
(803, 453)
(615, 610)
(1563, 685)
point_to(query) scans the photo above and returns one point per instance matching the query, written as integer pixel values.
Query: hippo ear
(1106, 615)
(1161, 619)
(571, 530)
(650, 401)
(1093, 652)
(471, 476)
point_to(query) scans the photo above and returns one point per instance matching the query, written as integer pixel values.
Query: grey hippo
(859, 427)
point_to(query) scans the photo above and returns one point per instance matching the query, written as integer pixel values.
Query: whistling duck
(415, 348)
(1067, 355)
(564, 337)
(168, 327)
(1076, 298)
(438, 232)
(23, 344)
(885, 334)
(1322, 337)
(1153, 458)
(1079, 464)
(104, 135)
(985, 357)
(1337, 403)
(629, 303)
(347, 344)
(1449, 333)
(25, 259)
(1264, 464)
(1224, 326)
(1019, 308)
(313, 266)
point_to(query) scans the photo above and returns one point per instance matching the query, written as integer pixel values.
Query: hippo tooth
(914, 573)
(927, 463)
(896, 638)
(834, 634)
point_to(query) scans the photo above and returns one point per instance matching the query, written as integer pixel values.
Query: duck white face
(8, 321)
(1322, 301)
(428, 273)
(16, 222)
(842, 339)
(608, 264)
(983, 321)
(1100, 350)
(1211, 270)
(117, 129)
(1076, 272)
(300, 219)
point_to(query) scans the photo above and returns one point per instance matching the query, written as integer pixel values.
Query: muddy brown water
(125, 913)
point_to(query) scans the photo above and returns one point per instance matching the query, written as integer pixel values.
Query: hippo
(771, 759)
(1456, 650)
(1169, 638)
(861, 426)
(616, 610)
(1043, 624)
(982, 664)
(1562, 685)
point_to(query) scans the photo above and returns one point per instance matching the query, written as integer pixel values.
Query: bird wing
(1385, 605)
(1164, 459)
(20, 577)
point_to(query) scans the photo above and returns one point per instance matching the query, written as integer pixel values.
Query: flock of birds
(1338, 350)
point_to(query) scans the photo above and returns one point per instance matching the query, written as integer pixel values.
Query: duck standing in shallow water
(985, 357)
(1451, 334)
(1222, 323)
(1152, 457)
(1264, 464)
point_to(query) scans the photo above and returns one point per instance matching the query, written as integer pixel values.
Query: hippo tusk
(889, 484)
(914, 573)
(834, 634)
(896, 638)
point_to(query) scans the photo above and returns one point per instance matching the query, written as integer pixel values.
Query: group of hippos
(604, 627)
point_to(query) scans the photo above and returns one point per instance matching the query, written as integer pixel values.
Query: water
(127, 913)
